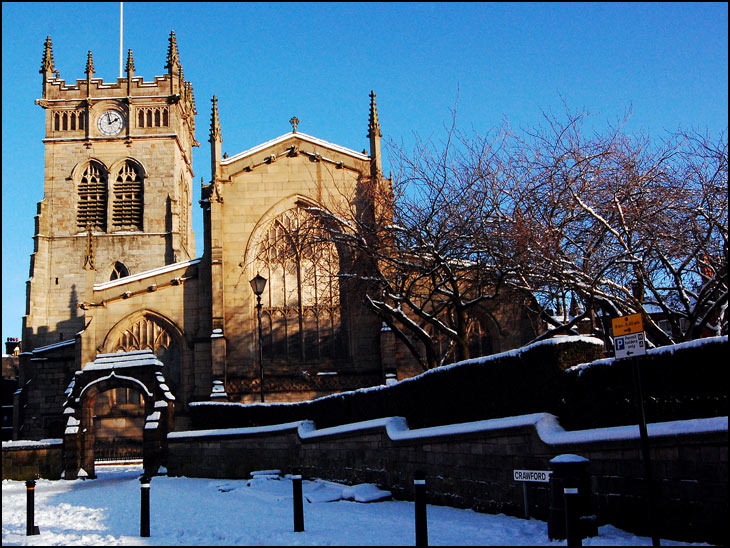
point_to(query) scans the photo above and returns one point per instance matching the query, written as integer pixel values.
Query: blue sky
(666, 63)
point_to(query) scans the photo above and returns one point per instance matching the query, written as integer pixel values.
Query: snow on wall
(669, 349)
(547, 426)
(32, 444)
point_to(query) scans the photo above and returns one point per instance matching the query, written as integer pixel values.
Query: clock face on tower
(110, 123)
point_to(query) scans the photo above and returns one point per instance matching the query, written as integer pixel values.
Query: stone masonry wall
(471, 465)
(23, 460)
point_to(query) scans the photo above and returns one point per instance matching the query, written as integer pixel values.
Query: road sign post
(629, 346)
(629, 342)
(527, 476)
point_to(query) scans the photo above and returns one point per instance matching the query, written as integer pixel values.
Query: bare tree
(421, 251)
(595, 226)
(624, 226)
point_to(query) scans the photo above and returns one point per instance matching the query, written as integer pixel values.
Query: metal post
(144, 516)
(31, 528)
(572, 524)
(261, 349)
(526, 500)
(645, 457)
(296, 480)
(419, 484)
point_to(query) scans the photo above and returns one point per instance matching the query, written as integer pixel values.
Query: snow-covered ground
(203, 512)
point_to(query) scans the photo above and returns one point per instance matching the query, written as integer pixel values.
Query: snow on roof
(118, 360)
(303, 137)
(146, 274)
(53, 346)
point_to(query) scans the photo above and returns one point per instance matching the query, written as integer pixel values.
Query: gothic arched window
(118, 271)
(150, 333)
(301, 303)
(127, 208)
(92, 198)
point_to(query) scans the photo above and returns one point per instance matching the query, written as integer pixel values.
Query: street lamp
(258, 284)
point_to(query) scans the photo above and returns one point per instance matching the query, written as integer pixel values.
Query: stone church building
(114, 267)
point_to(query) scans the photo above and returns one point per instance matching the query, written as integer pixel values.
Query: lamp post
(258, 284)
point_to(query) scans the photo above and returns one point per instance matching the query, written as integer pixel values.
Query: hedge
(680, 382)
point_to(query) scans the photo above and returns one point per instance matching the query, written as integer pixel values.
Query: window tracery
(301, 319)
(147, 333)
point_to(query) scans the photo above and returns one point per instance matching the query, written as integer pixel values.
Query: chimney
(11, 343)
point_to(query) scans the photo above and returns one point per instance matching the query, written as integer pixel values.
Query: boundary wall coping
(547, 426)
(23, 445)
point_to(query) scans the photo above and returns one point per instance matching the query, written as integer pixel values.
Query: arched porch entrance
(137, 371)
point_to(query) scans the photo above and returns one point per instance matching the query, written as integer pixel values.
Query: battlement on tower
(143, 107)
(96, 88)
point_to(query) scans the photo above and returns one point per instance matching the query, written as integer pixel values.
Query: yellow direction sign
(626, 325)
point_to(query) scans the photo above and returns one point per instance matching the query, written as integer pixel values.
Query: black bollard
(419, 485)
(570, 471)
(296, 481)
(144, 516)
(31, 528)
(572, 520)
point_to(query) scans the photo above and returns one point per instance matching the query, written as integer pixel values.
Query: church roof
(301, 136)
(146, 274)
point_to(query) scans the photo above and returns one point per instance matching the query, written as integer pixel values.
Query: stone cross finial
(294, 121)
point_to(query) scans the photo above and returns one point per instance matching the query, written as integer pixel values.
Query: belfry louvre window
(92, 195)
(127, 208)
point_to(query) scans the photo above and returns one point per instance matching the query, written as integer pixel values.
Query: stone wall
(471, 465)
(44, 376)
(24, 460)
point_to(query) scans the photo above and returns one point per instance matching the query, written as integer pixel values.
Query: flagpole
(121, 34)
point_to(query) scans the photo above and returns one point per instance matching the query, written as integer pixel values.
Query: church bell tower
(117, 188)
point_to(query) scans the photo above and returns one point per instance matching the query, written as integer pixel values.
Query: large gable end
(291, 145)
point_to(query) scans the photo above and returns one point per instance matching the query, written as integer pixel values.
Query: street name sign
(627, 346)
(626, 325)
(532, 475)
